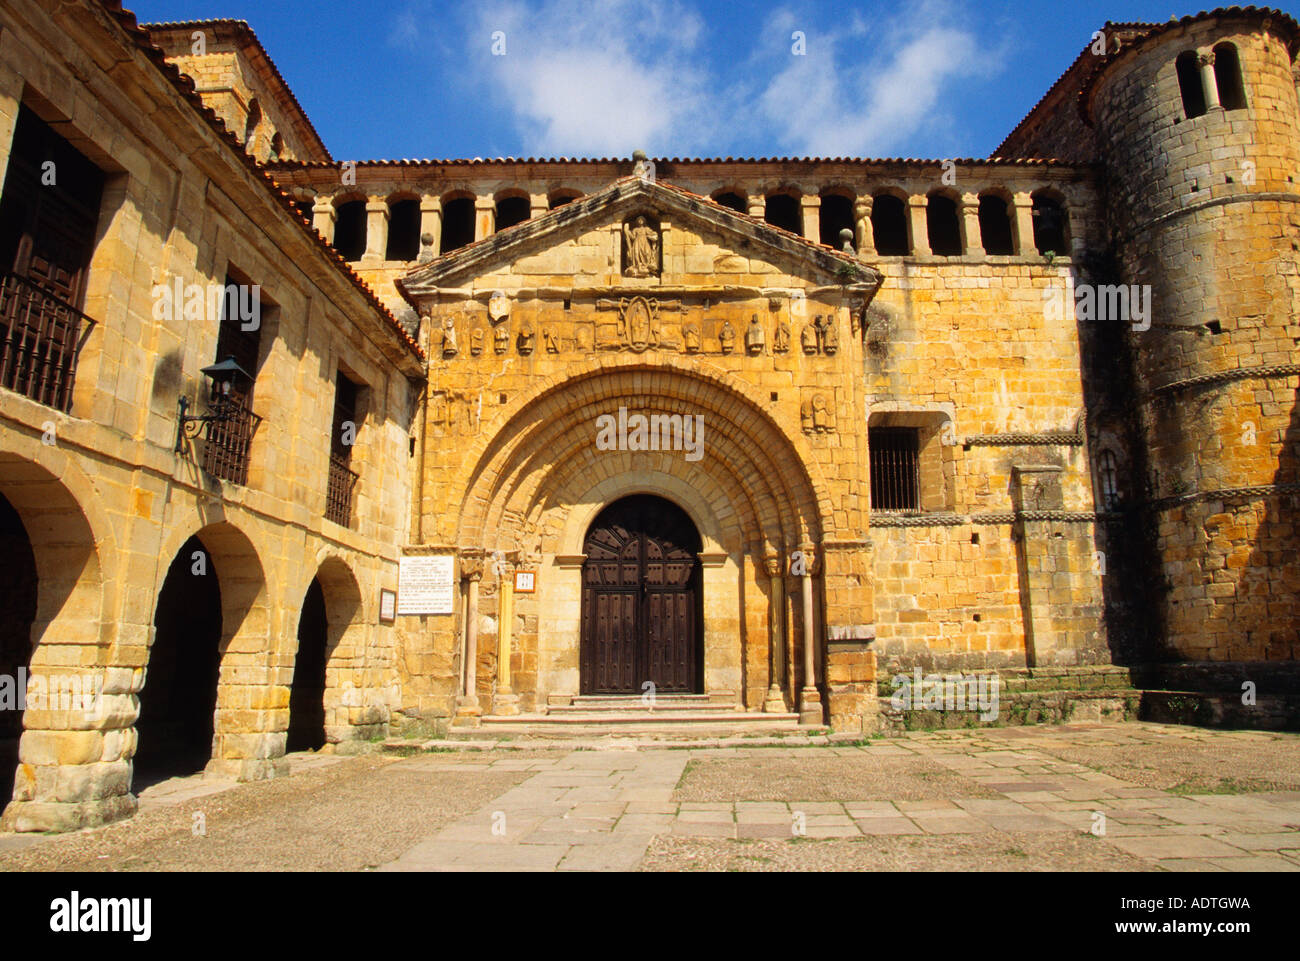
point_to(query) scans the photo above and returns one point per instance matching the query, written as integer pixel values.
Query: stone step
(664, 702)
(634, 729)
(642, 716)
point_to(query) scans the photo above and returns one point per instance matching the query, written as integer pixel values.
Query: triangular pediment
(600, 236)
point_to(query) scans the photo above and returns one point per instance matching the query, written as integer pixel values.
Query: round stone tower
(1199, 128)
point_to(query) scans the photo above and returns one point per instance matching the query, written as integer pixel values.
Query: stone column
(376, 230)
(775, 703)
(430, 226)
(1208, 81)
(917, 227)
(757, 206)
(812, 217)
(866, 241)
(467, 706)
(810, 700)
(506, 701)
(485, 217)
(1024, 224)
(972, 239)
(323, 216)
(538, 205)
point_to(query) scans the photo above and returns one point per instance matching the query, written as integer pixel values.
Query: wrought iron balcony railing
(41, 337)
(225, 455)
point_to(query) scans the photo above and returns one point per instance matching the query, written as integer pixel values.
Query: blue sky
(592, 78)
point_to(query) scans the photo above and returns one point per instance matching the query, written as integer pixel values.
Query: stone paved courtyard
(1173, 798)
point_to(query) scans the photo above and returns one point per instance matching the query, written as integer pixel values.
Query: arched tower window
(1189, 82)
(1108, 480)
(350, 229)
(995, 225)
(1049, 226)
(561, 197)
(457, 224)
(512, 210)
(889, 225)
(403, 230)
(836, 215)
(731, 200)
(1227, 77)
(783, 211)
(941, 223)
(251, 122)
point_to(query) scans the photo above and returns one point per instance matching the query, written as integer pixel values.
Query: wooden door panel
(640, 600)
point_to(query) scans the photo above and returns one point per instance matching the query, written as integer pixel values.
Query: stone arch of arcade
(59, 552)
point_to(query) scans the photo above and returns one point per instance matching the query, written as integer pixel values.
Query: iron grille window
(1108, 480)
(342, 479)
(895, 468)
(227, 450)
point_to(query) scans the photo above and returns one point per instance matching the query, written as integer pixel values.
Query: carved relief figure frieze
(727, 337)
(454, 411)
(755, 338)
(816, 416)
(638, 323)
(691, 338)
(781, 337)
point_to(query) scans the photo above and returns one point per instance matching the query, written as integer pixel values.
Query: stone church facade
(752, 434)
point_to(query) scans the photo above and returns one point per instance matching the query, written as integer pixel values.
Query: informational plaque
(387, 606)
(525, 582)
(426, 584)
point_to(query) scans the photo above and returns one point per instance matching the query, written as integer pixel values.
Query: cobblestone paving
(1017, 799)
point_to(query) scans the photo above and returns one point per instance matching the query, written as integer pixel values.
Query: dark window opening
(1049, 226)
(783, 211)
(1189, 82)
(1108, 480)
(47, 237)
(942, 226)
(457, 224)
(895, 468)
(511, 211)
(995, 226)
(730, 200)
(226, 453)
(350, 230)
(277, 145)
(1227, 77)
(305, 208)
(403, 230)
(836, 215)
(559, 200)
(342, 479)
(889, 226)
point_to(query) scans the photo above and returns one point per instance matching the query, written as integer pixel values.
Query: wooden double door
(641, 602)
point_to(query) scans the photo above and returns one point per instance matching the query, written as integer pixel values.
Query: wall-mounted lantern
(221, 407)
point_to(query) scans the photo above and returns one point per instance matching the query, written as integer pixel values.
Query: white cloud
(597, 78)
(873, 98)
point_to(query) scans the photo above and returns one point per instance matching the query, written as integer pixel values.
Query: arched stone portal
(746, 480)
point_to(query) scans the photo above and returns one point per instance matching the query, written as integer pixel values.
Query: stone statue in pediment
(641, 240)
(755, 339)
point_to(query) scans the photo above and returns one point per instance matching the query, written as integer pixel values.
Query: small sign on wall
(387, 606)
(426, 584)
(525, 582)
